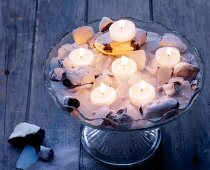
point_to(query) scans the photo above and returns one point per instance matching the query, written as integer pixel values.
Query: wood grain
(186, 140)
(17, 28)
(54, 18)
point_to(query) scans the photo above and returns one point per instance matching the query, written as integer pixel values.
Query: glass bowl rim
(159, 122)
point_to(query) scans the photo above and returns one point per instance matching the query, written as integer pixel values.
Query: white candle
(122, 31)
(141, 93)
(80, 57)
(103, 95)
(167, 57)
(123, 67)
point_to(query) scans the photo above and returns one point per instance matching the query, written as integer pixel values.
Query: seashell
(26, 133)
(57, 74)
(163, 75)
(139, 57)
(159, 107)
(81, 35)
(171, 40)
(104, 24)
(106, 45)
(186, 70)
(79, 76)
(170, 89)
(65, 50)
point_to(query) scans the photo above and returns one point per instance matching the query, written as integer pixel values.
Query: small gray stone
(46, 153)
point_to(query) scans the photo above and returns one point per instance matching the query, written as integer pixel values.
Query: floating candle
(122, 31)
(141, 93)
(103, 95)
(123, 67)
(167, 57)
(81, 56)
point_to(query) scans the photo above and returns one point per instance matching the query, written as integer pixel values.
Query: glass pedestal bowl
(123, 146)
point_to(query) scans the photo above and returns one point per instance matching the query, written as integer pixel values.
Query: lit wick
(168, 51)
(81, 52)
(142, 85)
(102, 88)
(121, 24)
(124, 61)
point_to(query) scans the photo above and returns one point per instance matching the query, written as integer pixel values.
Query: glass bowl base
(121, 148)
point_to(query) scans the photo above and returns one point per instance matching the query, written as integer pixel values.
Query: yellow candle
(80, 57)
(122, 31)
(103, 95)
(123, 67)
(141, 93)
(167, 57)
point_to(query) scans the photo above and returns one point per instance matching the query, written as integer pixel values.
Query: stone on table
(45, 153)
(105, 23)
(171, 40)
(81, 35)
(27, 158)
(26, 133)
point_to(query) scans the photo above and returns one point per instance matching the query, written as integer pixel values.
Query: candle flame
(121, 24)
(168, 51)
(124, 60)
(142, 85)
(81, 51)
(102, 88)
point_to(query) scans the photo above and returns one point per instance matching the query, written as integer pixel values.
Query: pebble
(170, 89)
(194, 84)
(104, 24)
(65, 50)
(54, 63)
(26, 133)
(45, 153)
(91, 42)
(171, 40)
(81, 76)
(27, 158)
(81, 35)
(159, 107)
(186, 70)
(140, 36)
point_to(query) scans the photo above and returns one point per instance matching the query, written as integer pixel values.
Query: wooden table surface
(28, 28)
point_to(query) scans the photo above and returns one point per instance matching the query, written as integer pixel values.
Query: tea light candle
(141, 93)
(123, 67)
(122, 31)
(81, 56)
(167, 57)
(103, 95)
